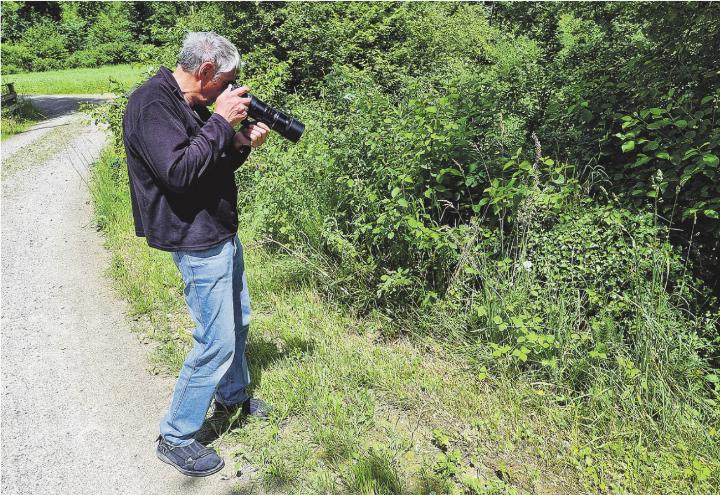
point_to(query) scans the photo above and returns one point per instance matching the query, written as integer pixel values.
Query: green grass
(75, 81)
(18, 118)
(358, 412)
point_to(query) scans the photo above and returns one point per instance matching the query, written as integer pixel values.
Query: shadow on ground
(52, 106)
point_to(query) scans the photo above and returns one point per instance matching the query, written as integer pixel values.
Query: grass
(18, 118)
(75, 81)
(358, 412)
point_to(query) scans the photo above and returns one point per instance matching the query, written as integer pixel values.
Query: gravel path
(80, 412)
(57, 109)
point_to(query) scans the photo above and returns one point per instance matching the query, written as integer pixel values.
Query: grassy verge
(75, 81)
(359, 413)
(18, 118)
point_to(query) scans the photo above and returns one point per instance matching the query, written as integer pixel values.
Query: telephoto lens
(283, 124)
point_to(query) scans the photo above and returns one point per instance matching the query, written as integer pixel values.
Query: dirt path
(80, 412)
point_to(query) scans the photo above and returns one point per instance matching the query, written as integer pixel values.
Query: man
(181, 163)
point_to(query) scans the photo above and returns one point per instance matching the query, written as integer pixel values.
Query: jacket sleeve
(177, 160)
(234, 158)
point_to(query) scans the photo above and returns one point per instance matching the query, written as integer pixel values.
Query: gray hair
(207, 46)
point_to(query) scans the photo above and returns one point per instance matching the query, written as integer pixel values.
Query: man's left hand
(253, 135)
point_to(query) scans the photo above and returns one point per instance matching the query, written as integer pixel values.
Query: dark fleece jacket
(181, 165)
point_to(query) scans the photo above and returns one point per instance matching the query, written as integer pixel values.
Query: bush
(85, 58)
(16, 58)
(47, 44)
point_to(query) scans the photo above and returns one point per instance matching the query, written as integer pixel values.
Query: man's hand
(231, 106)
(253, 135)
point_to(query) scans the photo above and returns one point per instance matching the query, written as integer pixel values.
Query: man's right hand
(232, 106)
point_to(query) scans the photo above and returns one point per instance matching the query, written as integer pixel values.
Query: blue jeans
(217, 297)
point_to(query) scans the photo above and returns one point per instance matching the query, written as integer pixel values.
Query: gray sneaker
(193, 459)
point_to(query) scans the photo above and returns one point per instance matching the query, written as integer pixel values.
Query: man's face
(212, 87)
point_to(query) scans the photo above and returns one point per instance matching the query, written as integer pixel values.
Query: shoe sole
(194, 474)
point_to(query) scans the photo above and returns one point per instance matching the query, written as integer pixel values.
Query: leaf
(657, 111)
(629, 146)
(395, 192)
(652, 145)
(472, 271)
(682, 123)
(711, 160)
(706, 99)
(431, 109)
(520, 355)
(690, 153)
(642, 160)
(663, 155)
(658, 124)
(711, 214)
(402, 203)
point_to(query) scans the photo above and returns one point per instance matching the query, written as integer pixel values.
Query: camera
(283, 124)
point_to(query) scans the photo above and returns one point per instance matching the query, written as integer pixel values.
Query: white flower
(527, 264)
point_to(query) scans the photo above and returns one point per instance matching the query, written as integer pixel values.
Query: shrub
(47, 44)
(16, 58)
(85, 58)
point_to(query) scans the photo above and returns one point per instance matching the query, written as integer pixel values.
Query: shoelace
(199, 454)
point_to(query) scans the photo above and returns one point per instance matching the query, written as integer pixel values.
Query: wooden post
(11, 95)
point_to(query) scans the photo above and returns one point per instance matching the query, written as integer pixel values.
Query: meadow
(96, 80)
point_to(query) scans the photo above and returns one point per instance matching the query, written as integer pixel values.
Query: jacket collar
(169, 80)
(166, 76)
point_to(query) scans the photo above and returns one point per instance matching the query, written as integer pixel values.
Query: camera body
(283, 124)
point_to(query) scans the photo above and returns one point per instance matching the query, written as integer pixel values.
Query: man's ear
(206, 72)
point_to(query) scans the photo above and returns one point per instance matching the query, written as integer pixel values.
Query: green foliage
(46, 44)
(519, 182)
(15, 58)
(69, 34)
(73, 25)
(18, 118)
(672, 157)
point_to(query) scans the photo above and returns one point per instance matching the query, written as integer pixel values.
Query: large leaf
(711, 160)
